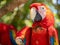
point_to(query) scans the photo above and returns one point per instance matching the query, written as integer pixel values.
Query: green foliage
(28, 23)
(6, 18)
(2, 3)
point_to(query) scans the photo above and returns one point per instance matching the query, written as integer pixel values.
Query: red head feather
(48, 20)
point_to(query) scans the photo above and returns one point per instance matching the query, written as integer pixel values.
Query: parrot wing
(23, 33)
(12, 32)
(53, 36)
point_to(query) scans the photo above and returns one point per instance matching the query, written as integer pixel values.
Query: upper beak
(34, 15)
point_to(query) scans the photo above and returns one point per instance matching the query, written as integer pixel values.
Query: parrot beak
(32, 13)
(38, 17)
(35, 15)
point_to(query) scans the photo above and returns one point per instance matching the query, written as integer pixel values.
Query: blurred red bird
(5, 34)
(42, 31)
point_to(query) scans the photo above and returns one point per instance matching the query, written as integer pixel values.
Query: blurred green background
(15, 12)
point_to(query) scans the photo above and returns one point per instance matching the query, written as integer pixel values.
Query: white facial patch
(33, 13)
(42, 11)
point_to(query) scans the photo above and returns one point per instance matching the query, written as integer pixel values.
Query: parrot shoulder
(52, 30)
(21, 34)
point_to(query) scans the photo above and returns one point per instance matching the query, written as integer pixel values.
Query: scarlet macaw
(42, 31)
(5, 34)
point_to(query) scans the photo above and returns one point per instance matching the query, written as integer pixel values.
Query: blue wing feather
(24, 41)
(12, 39)
(52, 40)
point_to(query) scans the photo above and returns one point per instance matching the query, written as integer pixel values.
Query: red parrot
(42, 31)
(5, 34)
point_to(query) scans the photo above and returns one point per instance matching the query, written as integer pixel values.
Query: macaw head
(41, 14)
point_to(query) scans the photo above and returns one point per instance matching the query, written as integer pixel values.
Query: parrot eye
(42, 8)
(42, 11)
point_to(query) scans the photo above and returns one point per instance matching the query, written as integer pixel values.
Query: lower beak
(38, 17)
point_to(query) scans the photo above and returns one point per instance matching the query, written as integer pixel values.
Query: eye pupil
(42, 7)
